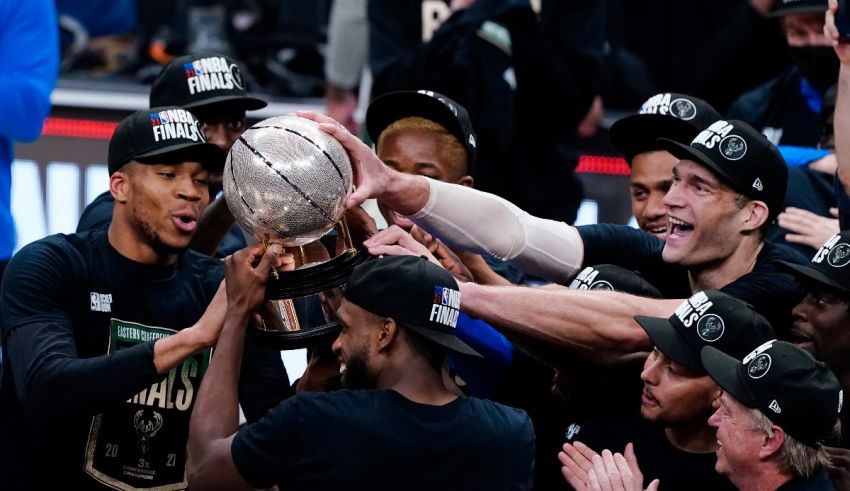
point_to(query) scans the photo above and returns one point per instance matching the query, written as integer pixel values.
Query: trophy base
(303, 302)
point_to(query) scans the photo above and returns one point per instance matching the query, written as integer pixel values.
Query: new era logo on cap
(783, 381)
(741, 157)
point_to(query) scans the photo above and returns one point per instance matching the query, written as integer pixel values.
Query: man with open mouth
(728, 186)
(107, 334)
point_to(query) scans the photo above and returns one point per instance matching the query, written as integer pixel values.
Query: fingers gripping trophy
(286, 181)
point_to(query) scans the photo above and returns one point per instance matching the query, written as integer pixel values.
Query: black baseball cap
(427, 104)
(202, 79)
(162, 134)
(709, 317)
(678, 117)
(420, 295)
(786, 383)
(785, 7)
(830, 266)
(614, 278)
(742, 157)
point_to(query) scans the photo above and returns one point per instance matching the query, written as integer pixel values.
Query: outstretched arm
(588, 321)
(463, 217)
(842, 102)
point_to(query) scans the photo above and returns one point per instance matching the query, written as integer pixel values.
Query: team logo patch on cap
(712, 135)
(693, 309)
(446, 306)
(839, 256)
(759, 366)
(710, 328)
(683, 109)
(733, 147)
(662, 104)
(175, 124)
(586, 280)
(212, 73)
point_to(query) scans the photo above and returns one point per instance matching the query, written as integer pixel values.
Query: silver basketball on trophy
(286, 180)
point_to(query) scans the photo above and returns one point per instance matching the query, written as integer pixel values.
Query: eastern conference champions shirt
(72, 421)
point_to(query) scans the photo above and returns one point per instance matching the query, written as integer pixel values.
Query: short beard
(356, 375)
(152, 238)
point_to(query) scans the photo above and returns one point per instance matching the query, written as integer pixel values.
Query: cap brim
(207, 154)
(801, 9)
(639, 133)
(445, 339)
(248, 102)
(723, 369)
(809, 273)
(669, 342)
(389, 108)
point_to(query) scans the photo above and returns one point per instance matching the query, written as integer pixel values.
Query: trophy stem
(273, 273)
(303, 254)
(345, 234)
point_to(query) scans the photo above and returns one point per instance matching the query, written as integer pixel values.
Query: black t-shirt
(771, 291)
(657, 458)
(80, 402)
(818, 482)
(97, 215)
(378, 439)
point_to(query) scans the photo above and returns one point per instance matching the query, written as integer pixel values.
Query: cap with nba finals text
(202, 79)
(786, 383)
(740, 156)
(678, 117)
(162, 135)
(421, 296)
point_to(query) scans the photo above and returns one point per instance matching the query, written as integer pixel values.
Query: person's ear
(757, 213)
(119, 185)
(771, 445)
(387, 334)
(715, 400)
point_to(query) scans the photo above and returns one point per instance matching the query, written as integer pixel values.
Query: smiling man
(727, 187)
(671, 437)
(106, 334)
(679, 117)
(779, 406)
(400, 428)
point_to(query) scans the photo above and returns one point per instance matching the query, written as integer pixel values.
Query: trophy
(286, 181)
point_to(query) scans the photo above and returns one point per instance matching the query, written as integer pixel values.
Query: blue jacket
(29, 55)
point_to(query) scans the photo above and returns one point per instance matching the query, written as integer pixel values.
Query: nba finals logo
(446, 306)
(213, 73)
(175, 123)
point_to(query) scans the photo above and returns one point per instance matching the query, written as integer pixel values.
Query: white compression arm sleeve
(487, 224)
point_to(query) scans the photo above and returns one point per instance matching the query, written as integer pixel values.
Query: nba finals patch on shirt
(829, 266)
(162, 135)
(740, 156)
(141, 443)
(707, 318)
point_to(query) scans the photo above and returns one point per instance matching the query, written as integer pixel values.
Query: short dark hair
(424, 347)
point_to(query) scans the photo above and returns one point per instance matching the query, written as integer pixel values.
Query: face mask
(817, 64)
